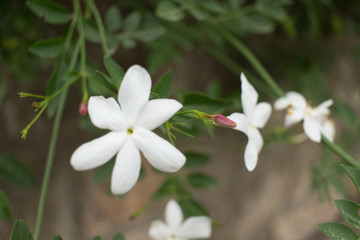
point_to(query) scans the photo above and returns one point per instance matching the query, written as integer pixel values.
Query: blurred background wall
(279, 200)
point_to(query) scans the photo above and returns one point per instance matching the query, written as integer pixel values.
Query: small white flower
(130, 121)
(174, 228)
(254, 117)
(315, 120)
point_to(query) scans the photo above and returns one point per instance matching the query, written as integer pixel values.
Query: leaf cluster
(349, 211)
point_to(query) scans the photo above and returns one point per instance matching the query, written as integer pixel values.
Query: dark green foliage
(163, 86)
(52, 12)
(349, 211)
(196, 160)
(15, 171)
(21, 231)
(5, 213)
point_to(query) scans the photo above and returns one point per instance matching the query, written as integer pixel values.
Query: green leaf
(191, 207)
(52, 12)
(2, 89)
(169, 11)
(107, 78)
(15, 171)
(201, 180)
(128, 43)
(168, 187)
(48, 48)
(354, 174)
(5, 213)
(91, 31)
(132, 22)
(236, 3)
(164, 84)
(21, 231)
(212, 6)
(196, 12)
(98, 87)
(113, 19)
(196, 160)
(149, 34)
(275, 11)
(97, 238)
(119, 236)
(252, 23)
(337, 231)
(57, 237)
(115, 71)
(349, 211)
(104, 172)
(202, 103)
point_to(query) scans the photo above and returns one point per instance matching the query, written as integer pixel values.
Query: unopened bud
(222, 121)
(83, 108)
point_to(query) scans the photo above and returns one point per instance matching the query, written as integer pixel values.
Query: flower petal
(254, 135)
(173, 215)
(312, 129)
(322, 111)
(252, 148)
(242, 123)
(127, 168)
(159, 152)
(326, 104)
(261, 114)
(195, 227)
(293, 116)
(328, 130)
(296, 100)
(134, 92)
(249, 96)
(251, 156)
(156, 112)
(159, 230)
(281, 103)
(98, 151)
(105, 113)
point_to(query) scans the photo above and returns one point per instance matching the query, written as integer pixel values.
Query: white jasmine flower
(174, 228)
(254, 117)
(315, 120)
(130, 120)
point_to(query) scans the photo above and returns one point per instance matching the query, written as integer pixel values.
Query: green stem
(252, 60)
(100, 26)
(26, 129)
(53, 143)
(341, 152)
(22, 94)
(49, 163)
(82, 57)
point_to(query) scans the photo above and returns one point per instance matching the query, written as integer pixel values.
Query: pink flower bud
(223, 121)
(83, 108)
